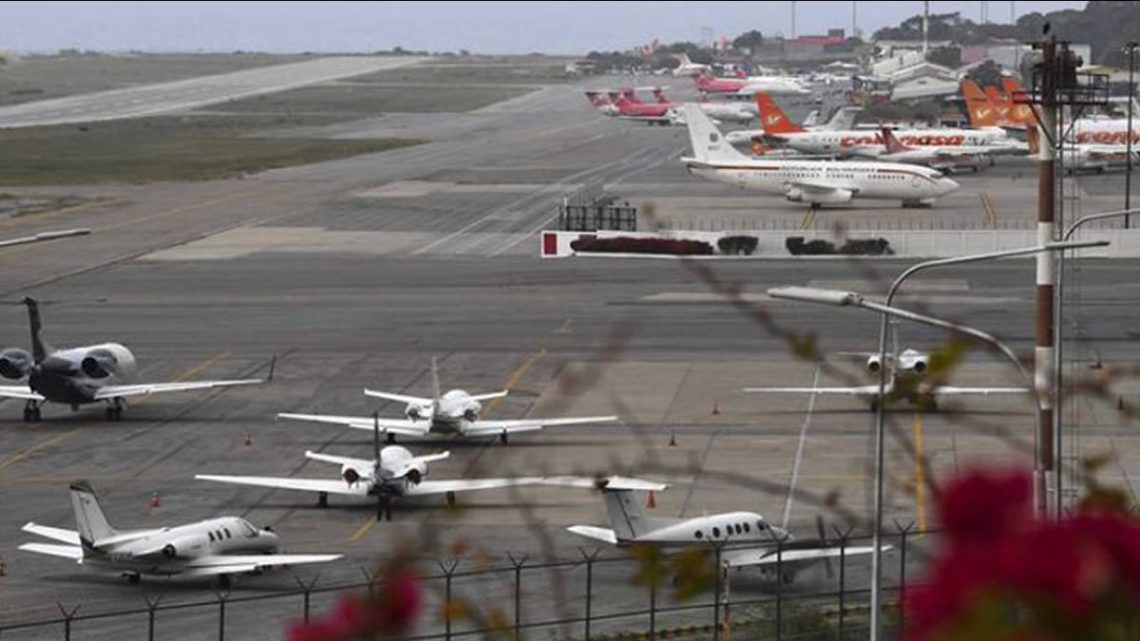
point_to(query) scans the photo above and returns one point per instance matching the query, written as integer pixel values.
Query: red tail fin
(893, 144)
(1022, 112)
(979, 109)
(630, 95)
(596, 99)
(772, 119)
(659, 94)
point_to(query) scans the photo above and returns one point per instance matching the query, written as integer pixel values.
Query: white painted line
(800, 451)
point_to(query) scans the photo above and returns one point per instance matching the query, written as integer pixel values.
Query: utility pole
(925, 28)
(793, 19)
(1131, 99)
(1046, 274)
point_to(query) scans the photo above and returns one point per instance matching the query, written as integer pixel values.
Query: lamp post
(832, 297)
(1131, 46)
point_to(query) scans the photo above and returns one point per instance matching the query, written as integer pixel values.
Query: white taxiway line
(800, 452)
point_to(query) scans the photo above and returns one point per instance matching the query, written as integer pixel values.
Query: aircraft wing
(301, 485)
(387, 425)
(22, 392)
(73, 552)
(605, 535)
(485, 427)
(227, 564)
(858, 390)
(613, 483)
(427, 488)
(146, 389)
(399, 398)
(491, 395)
(70, 537)
(949, 390)
(768, 556)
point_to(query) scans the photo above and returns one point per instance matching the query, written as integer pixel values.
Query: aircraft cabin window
(747, 528)
(248, 530)
(698, 534)
(716, 533)
(227, 531)
(760, 525)
(211, 536)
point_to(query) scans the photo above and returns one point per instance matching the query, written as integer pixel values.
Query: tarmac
(355, 272)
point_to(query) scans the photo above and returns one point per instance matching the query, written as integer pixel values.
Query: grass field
(345, 100)
(43, 77)
(166, 148)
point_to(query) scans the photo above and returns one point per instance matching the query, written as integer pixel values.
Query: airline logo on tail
(978, 107)
(772, 118)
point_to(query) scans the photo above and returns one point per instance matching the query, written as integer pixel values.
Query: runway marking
(919, 473)
(988, 205)
(25, 453)
(565, 329)
(800, 450)
(514, 379)
(364, 529)
(809, 218)
(179, 209)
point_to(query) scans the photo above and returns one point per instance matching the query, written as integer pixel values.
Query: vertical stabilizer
(89, 518)
(626, 514)
(436, 392)
(772, 118)
(39, 347)
(979, 109)
(709, 146)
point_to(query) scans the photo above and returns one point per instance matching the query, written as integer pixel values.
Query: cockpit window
(247, 530)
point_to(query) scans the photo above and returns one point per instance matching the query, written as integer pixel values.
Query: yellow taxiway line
(919, 473)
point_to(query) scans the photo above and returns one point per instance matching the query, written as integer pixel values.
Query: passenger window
(716, 533)
(211, 536)
(228, 535)
(747, 528)
(698, 534)
(760, 526)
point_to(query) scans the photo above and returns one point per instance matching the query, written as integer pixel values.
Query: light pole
(850, 298)
(1131, 98)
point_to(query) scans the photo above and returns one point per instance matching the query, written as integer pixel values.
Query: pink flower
(392, 611)
(985, 503)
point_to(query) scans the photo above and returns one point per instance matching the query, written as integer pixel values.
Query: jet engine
(873, 363)
(350, 475)
(417, 412)
(415, 472)
(832, 197)
(471, 412)
(15, 363)
(184, 546)
(107, 360)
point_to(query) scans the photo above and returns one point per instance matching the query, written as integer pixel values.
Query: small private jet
(82, 375)
(455, 412)
(216, 548)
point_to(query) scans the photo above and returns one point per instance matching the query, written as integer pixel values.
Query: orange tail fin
(1022, 111)
(979, 109)
(773, 119)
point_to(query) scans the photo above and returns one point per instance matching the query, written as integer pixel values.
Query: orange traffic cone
(155, 501)
(651, 502)
(248, 439)
(716, 408)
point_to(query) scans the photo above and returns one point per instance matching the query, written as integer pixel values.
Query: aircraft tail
(893, 144)
(708, 143)
(627, 517)
(772, 118)
(1023, 112)
(40, 348)
(812, 119)
(659, 94)
(89, 518)
(683, 58)
(436, 392)
(979, 109)
(842, 120)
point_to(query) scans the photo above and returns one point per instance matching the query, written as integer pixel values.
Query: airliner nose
(945, 185)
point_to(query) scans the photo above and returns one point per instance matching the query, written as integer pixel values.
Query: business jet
(744, 538)
(456, 412)
(905, 382)
(217, 548)
(810, 181)
(82, 375)
(393, 474)
(688, 67)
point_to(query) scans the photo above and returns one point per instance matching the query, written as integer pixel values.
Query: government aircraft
(455, 412)
(744, 538)
(219, 547)
(82, 375)
(816, 182)
(905, 381)
(394, 473)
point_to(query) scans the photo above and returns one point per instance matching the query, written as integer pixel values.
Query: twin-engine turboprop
(81, 375)
(744, 538)
(218, 547)
(455, 412)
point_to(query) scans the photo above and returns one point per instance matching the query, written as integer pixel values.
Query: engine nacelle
(413, 411)
(106, 360)
(350, 475)
(416, 472)
(832, 197)
(185, 546)
(874, 364)
(471, 412)
(15, 363)
(914, 362)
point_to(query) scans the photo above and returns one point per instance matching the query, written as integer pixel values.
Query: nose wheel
(115, 410)
(31, 412)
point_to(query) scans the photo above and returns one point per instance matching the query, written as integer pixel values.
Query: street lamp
(1131, 46)
(841, 298)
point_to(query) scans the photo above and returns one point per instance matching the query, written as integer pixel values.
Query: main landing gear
(31, 411)
(115, 409)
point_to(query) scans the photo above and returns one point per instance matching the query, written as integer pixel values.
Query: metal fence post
(780, 587)
(68, 615)
(716, 596)
(222, 598)
(369, 577)
(307, 588)
(843, 537)
(448, 573)
(903, 532)
(518, 564)
(151, 606)
(590, 557)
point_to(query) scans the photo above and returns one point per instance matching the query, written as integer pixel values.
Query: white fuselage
(888, 181)
(167, 551)
(714, 529)
(776, 85)
(398, 467)
(866, 143)
(730, 111)
(455, 409)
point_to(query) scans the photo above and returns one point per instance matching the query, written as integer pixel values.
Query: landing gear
(322, 499)
(115, 409)
(391, 438)
(451, 499)
(224, 581)
(32, 411)
(503, 438)
(134, 578)
(384, 508)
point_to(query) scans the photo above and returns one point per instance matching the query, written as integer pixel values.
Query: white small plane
(394, 474)
(816, 182)
(455, 412)
(82, 375)
(904, 382)
(745, 538)
(218, 547)
(688, 67)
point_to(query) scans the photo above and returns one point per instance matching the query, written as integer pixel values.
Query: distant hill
(1105, 24)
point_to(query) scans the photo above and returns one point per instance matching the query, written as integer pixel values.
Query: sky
(483, 27)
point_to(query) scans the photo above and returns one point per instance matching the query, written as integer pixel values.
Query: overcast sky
(484, 27)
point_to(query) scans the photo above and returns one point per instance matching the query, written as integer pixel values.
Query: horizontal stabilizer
(70, 537)
(602, 534)
(73, 552)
